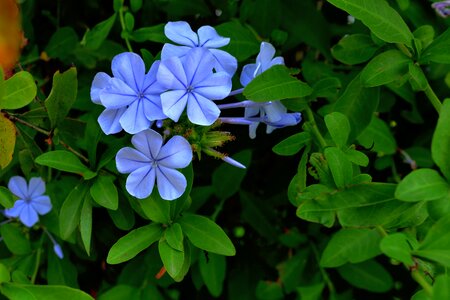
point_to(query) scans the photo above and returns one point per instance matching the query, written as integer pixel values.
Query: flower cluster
(190, 76)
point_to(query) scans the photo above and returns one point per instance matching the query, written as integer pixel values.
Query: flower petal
(171, 74)
(101, 80)
(148, 142)
(152, 108)
(176, 153)
(129, 160)
(171, 183)
(170, 50)
(130, 68)
(252, 130)
(266, 53)
(274, 111)
(36, 187)
(18, 186)
(198, 65)
(58, 251)
(215, 87)
(181, 33)
(151, 86)
(140, 183)
(109, 120)
(15, 211)
(173, 103)
(133, 119)
(41, 204)
(117, 95)
(201, 111)
(28, 216)
(247, 74)
(224, 61)
(209, 38)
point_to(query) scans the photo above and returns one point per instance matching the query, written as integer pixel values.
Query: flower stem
(417, 276)
(38, 129)
(314, 128)
(235, 92)
(84, 158)
(433, 98)
(122, 24)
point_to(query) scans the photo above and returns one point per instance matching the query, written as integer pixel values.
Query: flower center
(190, 89)
(140, 95)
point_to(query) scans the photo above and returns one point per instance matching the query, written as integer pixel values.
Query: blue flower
(31, 202)
(191, 82)
(442, 8)
(206, 37)
(151, 161)
(131, 97)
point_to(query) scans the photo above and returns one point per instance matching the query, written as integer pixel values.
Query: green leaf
(152, 34)
(269, 290)
(65, 161)
(326, 87)
(422, 185)
(354, 49)
(382, 20)
(357, 157)
(358, 104)
(69, 216)
(174, 236)
(135, 5)
(339, 128)
(156, 208)
(4, 274)
(384, 68)
(276, 83)
(206, 235)
(243, 42)
(417, 78)
(7, 140)
(133, 243)
(62, 96)
(123, 216)
(378, 137)
(15, 291)
(104, 192)
(15, 239)
(397, 246)
(440, 145)
(62, 43)
(171, 258)
(86, 223)
(438, 50)
(441, 287)
(6, 197)
(212, 270)
(18, 91)
(351, 245)
(290, 271)
(129, 21)
(437, 242)
(186, 263)
(95, 37)
(293, 144)
(120, 292)
(341, 168)
(311, 292)
(368, 275)
(61, 271)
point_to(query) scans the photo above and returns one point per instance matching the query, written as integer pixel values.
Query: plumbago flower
(152, 161)
(191, 82)
(31, 202)
(442, 8)
(131, 97)
(206, 37)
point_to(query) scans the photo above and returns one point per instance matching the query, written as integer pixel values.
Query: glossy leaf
(15, 291)
(18, 91)
(171, 258)
(385, 68)
(62, 43)
(69, 216)
(437, 51)
(15, 239)
(437, 242)
(354, 49)
(397, 246)
(86, 222)
(440, 146)
(174, 237)
(340, 167)
(104, 192)
(95, 37)
(292, 144)
(422, 185)
(7, 140)
(368, 275)
(339, 128)
(212, 269)
(65, 161)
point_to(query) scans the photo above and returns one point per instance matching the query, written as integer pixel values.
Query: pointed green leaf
(378, 137)
(293, 144)
(369, 275)
(171, 258)
(339, 128)
(422, 185)
(384, 68)
(69, 216)
(354, 49)
(15, 239)
(341, 168)
(212, 269)
(174, 236)
(86, 223)
(65, 161)
(440, 145)
(16, 291)
(438, 50)
(156, 208)
(104, 192)
(436, 244)
(18, 91)
(7, 141)
(62, 43)
(441, 287)
(397, 246)
(95, 37)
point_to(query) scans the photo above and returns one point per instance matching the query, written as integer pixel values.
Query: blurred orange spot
(11, 35)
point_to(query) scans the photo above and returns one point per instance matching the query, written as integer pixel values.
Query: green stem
(218, 209)
(404, 50)
(124, 29)
(324, 274)
(38, 259)
(433, 98)
(314, 128)
(422, 281)
(381, 231)
(38, 129)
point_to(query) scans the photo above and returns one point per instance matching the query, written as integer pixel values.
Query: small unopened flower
(31, 202)
(131, 97)
(442, 8)
(152, 161)
(206, 37)
(191, 82)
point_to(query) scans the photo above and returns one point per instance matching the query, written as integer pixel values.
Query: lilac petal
(151, 85)
(209, 38)
(251, 111)
(18, 186)
(224, 61)
(173, 103)
(171, 74)
(101, 80)
(198, 65)
(152, 108)
(176, 153)
(130, 68)
(28, 216)
(266, 53)
(140, 183)
(170, 50)
(201, 111)
(129, 160)
(277, 61)
(133, 119)
(274, 111)
(247, 74)
(117, 95)
(36, 187)
(233, 162)
(252, 130)
(109, 120)
(215, 87)
(181, 33)
(15, 211)
(58, 251)
(41, 204)
(171, 183)
(148, 142)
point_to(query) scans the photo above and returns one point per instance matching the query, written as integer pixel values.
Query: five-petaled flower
(131, 97)
(152, 161)
(191, 82)
(206, 37)
(31, 202)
